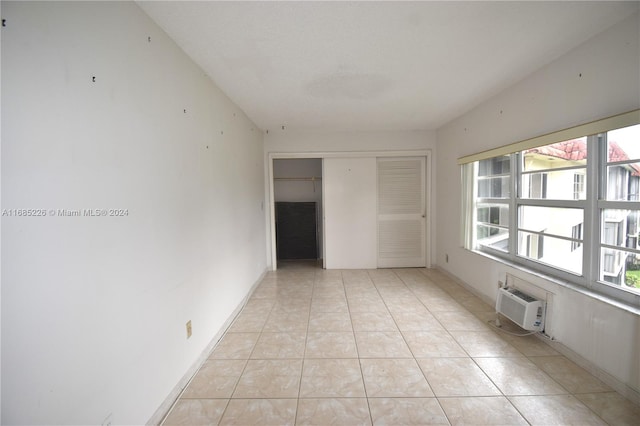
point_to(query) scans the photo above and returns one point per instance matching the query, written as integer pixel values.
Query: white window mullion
(569, 204)
(622, 163)
(492, 201)
(474, 219)
(591, 250)
(618, 248)
(468, 208)
(618, 205)
(555, 169)
(513, 209)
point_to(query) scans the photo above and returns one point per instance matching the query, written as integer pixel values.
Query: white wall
(94, 308)
(595, 80)
(293, 140)
(315, 144)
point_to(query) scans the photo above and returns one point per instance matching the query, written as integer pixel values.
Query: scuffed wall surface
(102, 111)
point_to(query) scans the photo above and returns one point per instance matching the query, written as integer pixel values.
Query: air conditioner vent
(521, 308)
(521, 295)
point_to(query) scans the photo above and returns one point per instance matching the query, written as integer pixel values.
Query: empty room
(314, 213)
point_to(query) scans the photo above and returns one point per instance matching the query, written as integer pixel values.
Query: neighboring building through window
(578, 186)
(576, 234)
(531, 207)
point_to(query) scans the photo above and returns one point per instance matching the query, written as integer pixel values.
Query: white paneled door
(401, 212)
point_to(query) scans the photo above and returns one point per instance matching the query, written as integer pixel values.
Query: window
(570, 209)
(556, 225)
(578, 186)
(492, 208)
(619, 208)
(538, 185)
(534, 245)
(547, 203)
(576, 235)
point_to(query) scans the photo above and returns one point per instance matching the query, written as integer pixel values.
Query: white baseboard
(616, 384)
(171, 399)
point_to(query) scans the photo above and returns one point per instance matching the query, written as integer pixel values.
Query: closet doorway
(297, 196)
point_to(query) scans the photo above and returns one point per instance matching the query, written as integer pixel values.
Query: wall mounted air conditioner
(521, 308)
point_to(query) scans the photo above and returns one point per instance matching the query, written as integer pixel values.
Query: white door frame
(270, 212)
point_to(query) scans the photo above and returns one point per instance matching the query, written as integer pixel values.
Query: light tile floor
(385, 347)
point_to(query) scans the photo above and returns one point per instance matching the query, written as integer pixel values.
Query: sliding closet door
(350, 213)
(401, 212)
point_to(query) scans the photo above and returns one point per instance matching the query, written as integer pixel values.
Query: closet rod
(313, 178)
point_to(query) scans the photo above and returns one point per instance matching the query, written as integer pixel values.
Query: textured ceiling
(374, 65)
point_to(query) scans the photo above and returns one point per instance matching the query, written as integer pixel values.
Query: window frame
(490, 201)
(594, 184)
(522, 201)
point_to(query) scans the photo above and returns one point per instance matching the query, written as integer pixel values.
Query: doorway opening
(297, 196)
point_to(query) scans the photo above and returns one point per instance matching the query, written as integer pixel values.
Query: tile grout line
(235, 387)
(353, 330)
(304, 353)
(416, 359)
(476, 364)
(394, 319)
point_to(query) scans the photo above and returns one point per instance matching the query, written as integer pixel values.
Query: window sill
(633, 309)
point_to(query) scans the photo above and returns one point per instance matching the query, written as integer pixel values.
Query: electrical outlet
(189, 329)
